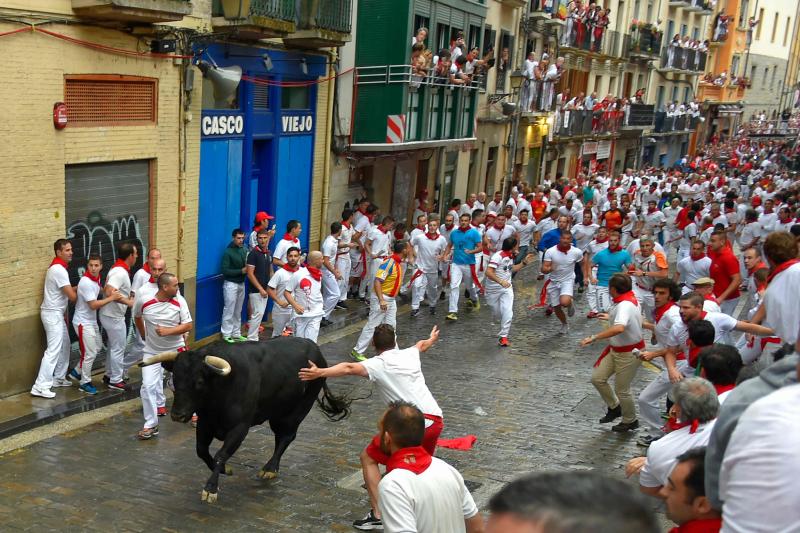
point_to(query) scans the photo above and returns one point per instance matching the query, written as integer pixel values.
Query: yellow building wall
(32, 191)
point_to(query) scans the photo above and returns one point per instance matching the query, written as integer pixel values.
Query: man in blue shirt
(609, 262)
(465, 242)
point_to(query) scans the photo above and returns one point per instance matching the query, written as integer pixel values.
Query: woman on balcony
(600, 24)
(572, 14)
(673, 46)
(686, 46)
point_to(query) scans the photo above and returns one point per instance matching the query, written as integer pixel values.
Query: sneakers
(229, 340)
(369, 523)
(147, 433)
(592, 314)
(61, 382)
(43, 393)
(647, 440)
(564, 330)
(325, 322)
(476, 305)
(88, 388)
(340, 305)
(571, 309)
(451, 316)
(358, 357)
(240, 338)
(117, 386)
(470, 303)
(414, 312)
(74, 375)
(193, 422)
(622, 427)
(161, 411)
(504, 341)
(611, 414)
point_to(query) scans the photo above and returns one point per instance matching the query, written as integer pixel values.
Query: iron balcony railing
(537, 96)
(644, 41)
(674, 123)
(331, 15)
(274, 9)
(402, 74)
(583, 122)
(582, 37)
(639, 115)
(678, 58)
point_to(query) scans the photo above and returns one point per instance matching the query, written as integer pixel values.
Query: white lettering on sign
(297, 124)
(223, 125)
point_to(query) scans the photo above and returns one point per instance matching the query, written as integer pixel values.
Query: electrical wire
(307, 83)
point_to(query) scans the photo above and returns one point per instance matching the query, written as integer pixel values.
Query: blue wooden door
(292, 185)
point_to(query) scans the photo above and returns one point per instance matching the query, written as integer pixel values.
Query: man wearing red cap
(261, 222)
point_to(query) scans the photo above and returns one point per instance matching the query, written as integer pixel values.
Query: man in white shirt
(689, 269)
(112, 316)
(304, 294)
(428, 248)
(330, 273)
(670, 216)
(276, 287)
(495, 234)
(290, 240)
(525, 228)
(618, 358)
(499, 293)
(57, 294)
(559, 261)
(362, 225)
(496, 204)
(397, 375)
(162, 322)
(688, 236)
(343, 260)
(141, 278)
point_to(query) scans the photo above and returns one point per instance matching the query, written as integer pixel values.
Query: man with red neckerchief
(499, 293)
(57, 294)
(693, 267)
(343, 260)
(304, 294)
(112, 316)
(290, 240)
(618, 358)
(278, 282)
(428, 247)
(685, 498)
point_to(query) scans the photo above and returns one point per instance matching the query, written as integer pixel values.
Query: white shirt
(54, 280)
(329, 249)
(636, 245)
(689, 232)
(344, 239)
(665, 324)
(435, 500)
(750, 232)
(525, 231)
(546, 224)
(662, 455)
(380, 242)
(628, 315)
(397, 375)
(119, 279)
(723, 324)
(493, 206)
(88, 291)
(583, 235)
(721, 219)
(782, 303)
(767, 221)
(169, 313)
(655, 221)
(594, 247)
(759, 473)
(282, 248)
(691, 270)
(279, 281)
(670, 215)
(140, 278)
(307, 292)
(502, 264)
(497, 236)
(563, 263)
(427, 250)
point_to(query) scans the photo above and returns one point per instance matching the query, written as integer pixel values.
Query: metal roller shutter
(423, 8)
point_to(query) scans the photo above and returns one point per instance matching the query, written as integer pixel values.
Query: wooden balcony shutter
(111, 100)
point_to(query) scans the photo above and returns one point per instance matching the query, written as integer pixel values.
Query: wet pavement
(531, 407)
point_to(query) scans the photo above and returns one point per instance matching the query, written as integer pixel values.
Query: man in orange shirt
(613, 217)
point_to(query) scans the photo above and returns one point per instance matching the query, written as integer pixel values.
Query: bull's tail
(334, 407)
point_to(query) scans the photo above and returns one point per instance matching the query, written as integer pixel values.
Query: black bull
(232, 387)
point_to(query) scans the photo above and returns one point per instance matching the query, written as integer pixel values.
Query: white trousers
(89, 342)
(152, 389)
(502, 304)
(376, 318)
(117, 333)
(258, 304)
(646, 301)
(459, 273)
(344, 264)
(330, 293)
(280, 319)
(307, 327)
(233, 298)
(56, 356)
(651, 397)
(425, 286)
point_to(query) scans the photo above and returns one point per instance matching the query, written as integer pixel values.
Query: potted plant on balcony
(236, 9)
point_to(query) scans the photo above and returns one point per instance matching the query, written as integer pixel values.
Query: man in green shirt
(234, 267)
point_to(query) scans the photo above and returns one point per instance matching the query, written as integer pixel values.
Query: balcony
(644, 42)
(674, 123)
(585, 123)
(609, 43)
(537, 97)
(254, 19)
(638, 116)
(682, 60)
(322, 24)
(514, 3)
(695, 6)
(141, 11)
(552, 13)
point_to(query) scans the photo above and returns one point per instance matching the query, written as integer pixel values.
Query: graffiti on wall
(98, 235)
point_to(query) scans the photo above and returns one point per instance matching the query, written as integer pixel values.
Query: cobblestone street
(531, 407)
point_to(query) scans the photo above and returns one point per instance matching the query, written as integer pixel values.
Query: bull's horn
(218, 365)
(160, 358)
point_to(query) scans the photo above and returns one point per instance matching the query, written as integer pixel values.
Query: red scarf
(674, 425)
(146, 267)
(58, 261)
(315, 272)
(123, 264)
(397, 258)
(414, 459)
(706, 525)
(601, 241)
(626, 297)
(288, 237)
(450, 227)
(432, 236)
(780, 268)
(382, 229)
(759, 266)
(651, 210)
(96, 279)
(464, 229)
(661, 311)
(288, 268)
(615, 249)
(506, 253)
(258, 249)
(723, 388)
(711, 298)
(563, 249)
(346, 224)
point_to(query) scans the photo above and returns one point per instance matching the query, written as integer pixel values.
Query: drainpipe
(183, 119)
(326, 172)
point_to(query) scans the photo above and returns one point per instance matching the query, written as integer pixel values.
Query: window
(760, 23)
(684, 30)
(764, 79)
(503, 60)
(735, 65)
(636, 9)
(743, 13)
(774, 28)
(294, 98)
(753, 74)
(110, 100)
(670, 31)
(772, 79)
(488, 184)
(474, 38)
(442, 37)
(421, 22)
(489, 39)
(674, 94)
(787, 29)
(659, 97)
(685, 94)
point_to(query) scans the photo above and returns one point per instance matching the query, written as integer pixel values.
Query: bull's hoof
(208, 497)
(228, 470)
(266, 474)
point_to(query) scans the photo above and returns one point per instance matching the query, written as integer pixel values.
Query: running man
(499, 292)
(559, 262)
